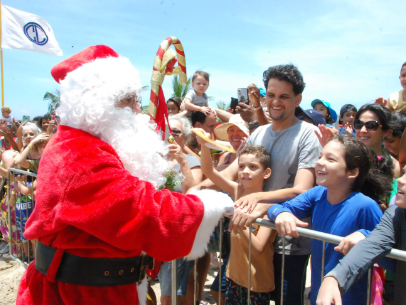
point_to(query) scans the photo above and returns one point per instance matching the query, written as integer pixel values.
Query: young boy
(397, 100)
(347, 116)
(253, 169)
(196, 99)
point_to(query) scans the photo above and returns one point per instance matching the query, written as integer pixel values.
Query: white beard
(139, 147)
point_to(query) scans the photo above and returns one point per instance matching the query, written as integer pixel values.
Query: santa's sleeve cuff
(215, 205)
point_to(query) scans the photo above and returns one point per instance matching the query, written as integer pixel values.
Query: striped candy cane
(164, 64)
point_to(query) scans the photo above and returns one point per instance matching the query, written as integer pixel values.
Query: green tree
(180, 90)
(222, 105)
(54, 100)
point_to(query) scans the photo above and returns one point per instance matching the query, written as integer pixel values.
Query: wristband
(256, 108)
(29, 146)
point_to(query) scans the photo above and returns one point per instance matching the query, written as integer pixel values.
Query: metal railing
(324, 237)
(22, 206)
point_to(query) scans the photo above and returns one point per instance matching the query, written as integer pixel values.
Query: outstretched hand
(286, 224)
(253, 95)
(349, 128)
(324, 135)
(247, 112)
(381, 101)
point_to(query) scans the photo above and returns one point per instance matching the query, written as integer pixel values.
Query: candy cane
(164, 64)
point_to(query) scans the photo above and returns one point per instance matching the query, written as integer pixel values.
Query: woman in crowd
(37, 145)
(234, 132)
(189, 167)
(372, 125)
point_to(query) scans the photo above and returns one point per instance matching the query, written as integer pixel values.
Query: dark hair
(398, 124)
(288, 73)
(45, 117)
(258, 151)
(177, 101)
(375, 174)
(384, 115)
(329, 119)
(202, 74)
(404, 64)
(198, 116)
(347, 108)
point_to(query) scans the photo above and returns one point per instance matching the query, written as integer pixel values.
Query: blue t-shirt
(342, 131)
(356, 213)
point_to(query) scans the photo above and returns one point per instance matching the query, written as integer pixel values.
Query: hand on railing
(241, 219)
(329, 293)
(286, 224)
(349, 241)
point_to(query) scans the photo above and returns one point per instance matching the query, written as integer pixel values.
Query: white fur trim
(142, 290)
(215, 205)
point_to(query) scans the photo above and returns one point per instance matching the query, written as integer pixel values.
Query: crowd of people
(337, 172)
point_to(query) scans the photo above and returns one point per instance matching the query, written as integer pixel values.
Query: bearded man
(97, 209)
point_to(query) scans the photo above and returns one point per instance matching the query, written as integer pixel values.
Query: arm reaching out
(211, 173)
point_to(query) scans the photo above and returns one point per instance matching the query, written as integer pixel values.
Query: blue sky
(348, 51)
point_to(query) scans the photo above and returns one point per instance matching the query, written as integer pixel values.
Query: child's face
(402, 77)
(45, 124)
(172, 108)
(5, 114)
(322, 109)
(348, 117)
(401, 194)
(331, 169)
(392, 145)
(251, 173)
(200, 84)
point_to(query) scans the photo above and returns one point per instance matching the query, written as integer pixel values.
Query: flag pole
(1, 55)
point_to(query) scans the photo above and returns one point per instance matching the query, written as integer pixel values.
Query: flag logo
(35, 33)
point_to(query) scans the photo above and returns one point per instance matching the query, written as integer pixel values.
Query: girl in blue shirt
(344, 203)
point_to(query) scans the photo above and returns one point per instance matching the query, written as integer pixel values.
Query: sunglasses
(176, 132)
(370, 125)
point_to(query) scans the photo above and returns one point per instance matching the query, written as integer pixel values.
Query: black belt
(88, 271)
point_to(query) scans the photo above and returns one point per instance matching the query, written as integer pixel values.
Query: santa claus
(97, 208)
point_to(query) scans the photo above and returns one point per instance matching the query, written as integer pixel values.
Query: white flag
(27, 31)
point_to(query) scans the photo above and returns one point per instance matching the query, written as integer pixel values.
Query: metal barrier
(324, 237)
(22, 205)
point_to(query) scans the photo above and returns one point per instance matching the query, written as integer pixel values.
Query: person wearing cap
(347, 116)
(310, 116)
(233, 132)
(97, 210)
(325, 109)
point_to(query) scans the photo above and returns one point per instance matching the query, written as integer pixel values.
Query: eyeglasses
(370, 125)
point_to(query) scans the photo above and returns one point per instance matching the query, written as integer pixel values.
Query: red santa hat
(89, 54)
(92, 81)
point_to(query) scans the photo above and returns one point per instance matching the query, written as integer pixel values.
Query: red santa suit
(89, 205)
